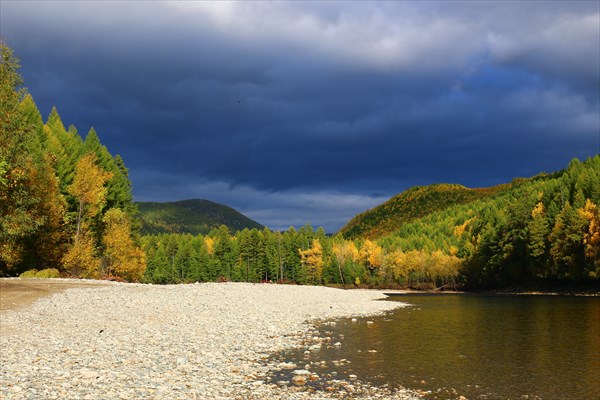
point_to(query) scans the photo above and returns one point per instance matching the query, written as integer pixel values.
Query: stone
(299, 380)
(299, 372)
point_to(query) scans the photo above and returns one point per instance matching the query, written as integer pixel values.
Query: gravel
(197, 341)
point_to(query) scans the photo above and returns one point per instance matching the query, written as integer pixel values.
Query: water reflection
(487, 347)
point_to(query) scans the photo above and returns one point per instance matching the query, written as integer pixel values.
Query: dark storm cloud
(299, 112)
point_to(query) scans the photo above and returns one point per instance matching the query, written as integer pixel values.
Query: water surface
(480, 347)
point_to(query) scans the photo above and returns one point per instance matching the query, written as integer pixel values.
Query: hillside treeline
(543, 228)
(65, 202)
(546, 228)
(302, 256)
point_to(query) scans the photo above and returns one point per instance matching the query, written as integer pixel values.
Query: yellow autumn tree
(344, 252)
(81, 258)
(122, 257)
(591, 237)
(210, 245)
(371, 255)
(88, 189)
(396, 261)
(312, 260)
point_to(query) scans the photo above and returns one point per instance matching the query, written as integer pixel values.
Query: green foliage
(45, 273)
(48, 273)
(411, 205)
(29, 274)
(525, 232)
(191, 216)
(20, 197)
(39, 216)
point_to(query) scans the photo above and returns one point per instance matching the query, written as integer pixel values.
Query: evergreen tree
(538, 230)
(567, 248)
(20, 195)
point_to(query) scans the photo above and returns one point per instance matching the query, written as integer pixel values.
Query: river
(476, 346)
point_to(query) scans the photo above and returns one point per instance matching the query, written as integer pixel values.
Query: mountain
(196, 216)
(411, 205)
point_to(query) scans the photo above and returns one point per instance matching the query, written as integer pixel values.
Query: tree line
(65, 202)
(546, 228)
(302, 256)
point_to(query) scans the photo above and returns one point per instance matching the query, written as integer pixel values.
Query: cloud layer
(308, 112)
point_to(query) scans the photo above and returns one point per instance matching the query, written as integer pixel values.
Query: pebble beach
(198, 341)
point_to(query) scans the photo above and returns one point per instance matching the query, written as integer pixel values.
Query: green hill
(410, 205)
(532, 229)
(195, 216)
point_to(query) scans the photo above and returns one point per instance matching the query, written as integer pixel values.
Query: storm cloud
(309, 112)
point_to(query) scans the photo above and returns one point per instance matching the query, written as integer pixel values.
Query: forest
(66, 209)
(65, 203)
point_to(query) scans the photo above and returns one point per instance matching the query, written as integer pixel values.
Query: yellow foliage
(123, 257)
(81, 259)
(210, 245)
(396, 261)
(460, 229)
(422, 266)
(371, 255)
(88, 185)
(538, 211)
(312, 259)
(591, 238)
(345, 251)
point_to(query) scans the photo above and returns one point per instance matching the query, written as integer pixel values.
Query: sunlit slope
(191, 216)
(410, 205)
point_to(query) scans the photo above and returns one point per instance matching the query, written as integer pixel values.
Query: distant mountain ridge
(194, 216)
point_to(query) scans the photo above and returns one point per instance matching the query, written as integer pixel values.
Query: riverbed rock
(173, 341)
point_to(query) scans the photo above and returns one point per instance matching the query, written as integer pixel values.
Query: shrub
(29, 274)
(48, 273)
(45, 273)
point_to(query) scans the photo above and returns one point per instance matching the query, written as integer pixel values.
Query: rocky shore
(199, 341)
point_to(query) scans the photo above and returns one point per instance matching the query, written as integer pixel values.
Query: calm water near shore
(477, 346)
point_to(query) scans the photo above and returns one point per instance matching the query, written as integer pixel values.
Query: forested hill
(410, 205)
(196, 216)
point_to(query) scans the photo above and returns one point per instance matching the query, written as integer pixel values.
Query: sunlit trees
(346, 254)
(312, 261)
(122, 257)
(88, 189)
(18, 198)
(52, 194)
(591, 237)
(81, 258)
(567, 248)
(371, 256)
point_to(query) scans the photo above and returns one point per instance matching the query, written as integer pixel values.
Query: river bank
(116, 340)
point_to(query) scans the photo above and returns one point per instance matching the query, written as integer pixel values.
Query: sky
(311, 112)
